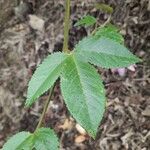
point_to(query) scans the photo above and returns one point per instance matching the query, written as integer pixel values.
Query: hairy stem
(66, 26)
(45, 108)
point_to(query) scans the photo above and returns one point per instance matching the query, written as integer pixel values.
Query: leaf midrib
(78, 73)
(83, 51)
(107, 54)
(20, 145)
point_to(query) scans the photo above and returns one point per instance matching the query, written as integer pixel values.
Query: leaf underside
(83, 94)
(42, 139)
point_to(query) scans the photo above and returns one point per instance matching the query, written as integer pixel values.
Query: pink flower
(122, 71)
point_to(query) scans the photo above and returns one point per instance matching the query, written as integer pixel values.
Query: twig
(45, 108)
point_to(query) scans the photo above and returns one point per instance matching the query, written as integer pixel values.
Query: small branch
(66, 26)
(106, 22)
(103, 25)
(45, 108)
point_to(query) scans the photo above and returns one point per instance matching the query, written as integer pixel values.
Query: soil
(126, 124)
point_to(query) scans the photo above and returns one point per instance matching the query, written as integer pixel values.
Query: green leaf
(104, 7)
(83, 93)
(45, 76)
(16, 141)
(104, 52)
(45, 139)
(42, 139)
(110, 32)
(86, 21)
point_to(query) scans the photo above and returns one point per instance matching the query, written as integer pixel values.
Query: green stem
(103, 25)
(45, 108)
(65, 49)
(66, 26)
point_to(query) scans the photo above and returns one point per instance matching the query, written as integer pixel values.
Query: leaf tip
(137, 59)
(93, 134)
(28, 103)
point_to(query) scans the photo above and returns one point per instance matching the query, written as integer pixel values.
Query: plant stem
(65, 49)
(107, 21)
(45, 108)
(66, 26)
(103, 25)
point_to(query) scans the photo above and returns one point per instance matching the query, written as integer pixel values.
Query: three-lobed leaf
(83, 93)
(86, 21)
(104, 52)
(42, 139)
(86, 84)
(45, 76)
(81, 85)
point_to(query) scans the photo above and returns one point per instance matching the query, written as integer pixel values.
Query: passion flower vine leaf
(43, 138)
(86, 21)
(45, 76)
(104, 52)
(83, 93)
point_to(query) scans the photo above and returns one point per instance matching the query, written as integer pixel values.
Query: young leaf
(104, 7)
(43, 138)
(45, 76)
(104, 52)
(83, 94)
(110, 32)
(16, 141)
(86, 21)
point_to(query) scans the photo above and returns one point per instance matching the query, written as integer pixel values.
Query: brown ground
(126, 125)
